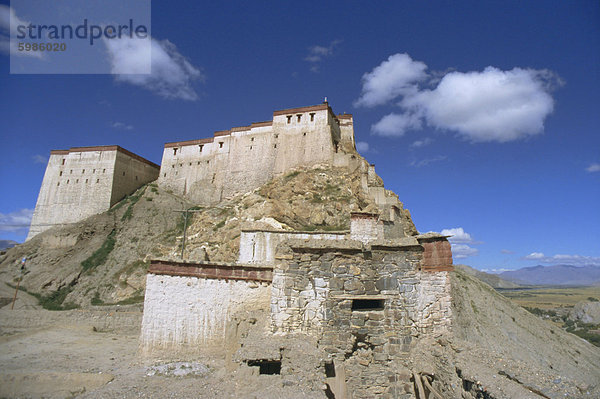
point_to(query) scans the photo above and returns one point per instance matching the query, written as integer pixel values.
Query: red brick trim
(222, 133)
(211, 271)
(437, 255)
(189, 142)
(59, 152)
(319, 107)
(240, 128)
(261, 124)
(344, 116)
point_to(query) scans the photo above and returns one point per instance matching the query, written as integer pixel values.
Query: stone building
(365, 295)
(84, 181)
(243, 158)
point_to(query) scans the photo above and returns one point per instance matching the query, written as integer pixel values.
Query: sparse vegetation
(53, 301)
(101, 254)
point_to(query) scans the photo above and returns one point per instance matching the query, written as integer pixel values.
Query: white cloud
(421, 143)
(17, 221)
(459, 235)
(396, 124)
(595, 167)
(496, 271)
(40, 159)
(122, 126)
(171, 74)
(491, 105)
(316, 54)
(362, 146)
(461, 251)
(427, 161)
(8, 16)
(575, 260)
(396, 76)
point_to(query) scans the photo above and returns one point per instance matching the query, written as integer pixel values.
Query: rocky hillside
(492, 279)
(103, 259)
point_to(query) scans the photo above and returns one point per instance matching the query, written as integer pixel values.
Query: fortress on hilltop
(84, 181)
(365, 296)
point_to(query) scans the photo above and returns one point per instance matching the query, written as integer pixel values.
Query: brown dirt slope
(103, 259)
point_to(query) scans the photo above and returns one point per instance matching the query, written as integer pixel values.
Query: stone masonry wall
(244, 158)
(81, 182)
(365, 303)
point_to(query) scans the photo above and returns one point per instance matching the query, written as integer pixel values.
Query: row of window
(82, 172)
(299, 117)
(76, 181)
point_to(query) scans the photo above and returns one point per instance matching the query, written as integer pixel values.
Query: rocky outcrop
(586, 312)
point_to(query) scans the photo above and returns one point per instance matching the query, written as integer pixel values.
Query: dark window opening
(63, 161)
(93, 170)
(289, 117)
(274, 145)
(270, 367)
(299, 117)
(83, 171)
(175, 151)
(60, 173)
(190, 164)
(198, 162)
(57, 184)
(97, 180)
(71, 172)
(368, 304)
(77, 181)
(103, 170)
(220, 144)
(329, 370)
(312, 117)
(201, 146)
(304, 134)
(67, 181)
(276, 136)
(250, 147)
(86, 180)
(123, 173)
(136, 178)
(252, 139)
(173, 165)
(164, 175)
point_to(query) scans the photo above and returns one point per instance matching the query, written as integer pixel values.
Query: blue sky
(482, 116)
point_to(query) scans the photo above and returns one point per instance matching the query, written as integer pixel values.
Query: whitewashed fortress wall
(85, 181)
(244, 158)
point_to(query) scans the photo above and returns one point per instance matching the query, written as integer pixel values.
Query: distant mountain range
(554, 275)
(493, 280)
(5, 244)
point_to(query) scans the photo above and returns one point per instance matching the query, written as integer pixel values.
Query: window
(83, 171)
(368, 304)
(252, 139)
(250, 147)
(289, 119)
(220, 144)
(175, 151)
(173, 165)
(299, 116)
(274, 145)
(123, 173)
(93, 170)
(67, 181)
(200, 147)
(266, 366)
(60, 173)
(136, 178)
(312, 116)
(86, 180)
(164, 175)
(304, 134)
(276, 136)
(103, 170)
(97, 180)
(57, 184)
(77, 181)
(198, 162)
(71, 172)
(63, 162)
